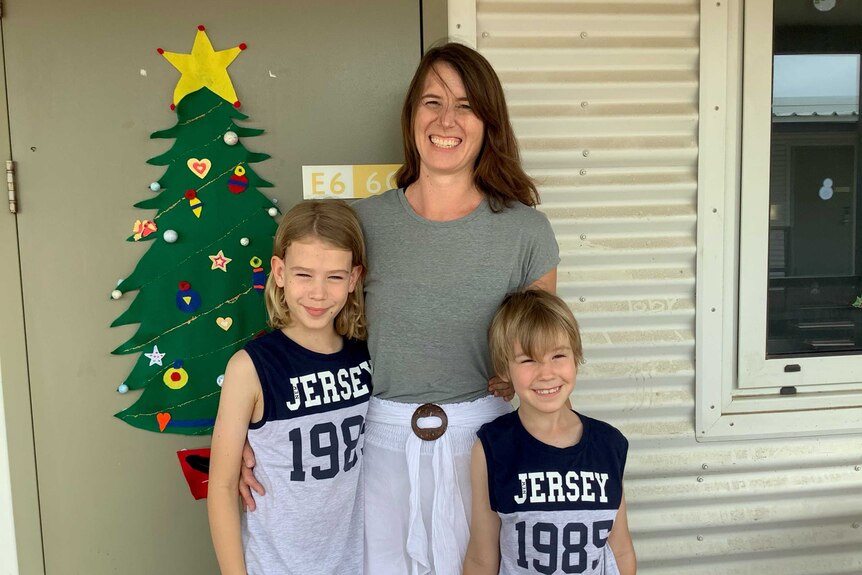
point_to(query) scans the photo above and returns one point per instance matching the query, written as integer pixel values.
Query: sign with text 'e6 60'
(359, 181)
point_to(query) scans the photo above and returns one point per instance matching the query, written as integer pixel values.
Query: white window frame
(732, 252)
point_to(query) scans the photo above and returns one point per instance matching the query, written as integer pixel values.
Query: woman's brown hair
(497, 172)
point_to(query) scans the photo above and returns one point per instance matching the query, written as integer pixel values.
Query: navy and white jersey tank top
(308, 448)
(556, 505)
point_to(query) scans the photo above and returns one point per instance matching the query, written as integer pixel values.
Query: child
(300, 393)
(547, 481)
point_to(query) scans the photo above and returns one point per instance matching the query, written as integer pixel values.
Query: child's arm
(620, 541)
(483, 552)
(239, 395)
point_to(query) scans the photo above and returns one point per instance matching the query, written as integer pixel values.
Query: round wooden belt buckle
(429, 410)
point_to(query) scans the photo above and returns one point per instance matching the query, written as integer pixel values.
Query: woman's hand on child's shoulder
(500, 388)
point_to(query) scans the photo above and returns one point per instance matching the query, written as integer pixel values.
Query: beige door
(324, 78)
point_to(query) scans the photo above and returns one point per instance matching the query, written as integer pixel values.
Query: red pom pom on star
(191, 194)
(185, 286)
(201, 27)
(160, 50)
(243, 46)
(173, 107)
(236, 104)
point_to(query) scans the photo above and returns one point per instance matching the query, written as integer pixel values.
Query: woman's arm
(248, 483)
(483, 552)
(547, 282)
(240, 395)
(621, 544)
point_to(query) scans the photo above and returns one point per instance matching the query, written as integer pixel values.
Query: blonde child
(300, 394)
(547, 480)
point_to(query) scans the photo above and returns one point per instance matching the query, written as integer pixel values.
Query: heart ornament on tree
(163, 419)
(200, 167)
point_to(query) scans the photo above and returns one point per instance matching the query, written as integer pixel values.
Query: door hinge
(10, 186)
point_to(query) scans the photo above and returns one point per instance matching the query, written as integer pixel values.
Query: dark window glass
(814, 304)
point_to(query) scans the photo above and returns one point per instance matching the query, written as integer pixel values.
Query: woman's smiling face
(447, 133)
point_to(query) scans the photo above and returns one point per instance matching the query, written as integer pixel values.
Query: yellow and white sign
(345, 182)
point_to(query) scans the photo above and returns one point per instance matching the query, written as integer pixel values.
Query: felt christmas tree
(200, 284)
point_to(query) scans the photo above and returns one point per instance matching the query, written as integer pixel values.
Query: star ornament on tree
(155, 357)
(220, 261)
(204, 68)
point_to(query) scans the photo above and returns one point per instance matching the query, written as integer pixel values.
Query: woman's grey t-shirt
(432, 289)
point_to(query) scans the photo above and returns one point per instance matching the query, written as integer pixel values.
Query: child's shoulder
(241, 371)
(356, 345)
(267, 339)
(501, 425)
(604, 432)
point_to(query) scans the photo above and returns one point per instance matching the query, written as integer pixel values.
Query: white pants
(417, 493)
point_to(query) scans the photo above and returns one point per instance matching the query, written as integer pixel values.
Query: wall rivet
(584, 34)
(586, 153)
(584, 104)
(700, 537)
(582, 299)
(485, 34)
(583, 172)
(583, 236)
(700, 479)
(704, 466)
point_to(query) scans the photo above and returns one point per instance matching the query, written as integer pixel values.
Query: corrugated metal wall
(604, 99)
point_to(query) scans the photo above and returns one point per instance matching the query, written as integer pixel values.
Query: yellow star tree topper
(204, 68)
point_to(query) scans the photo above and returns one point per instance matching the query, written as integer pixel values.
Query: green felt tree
(200, 283)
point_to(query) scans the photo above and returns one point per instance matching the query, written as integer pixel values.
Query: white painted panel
(8, 550)
(604, 100)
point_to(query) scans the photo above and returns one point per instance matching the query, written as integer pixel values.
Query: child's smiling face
(544, 383)
(317, 278)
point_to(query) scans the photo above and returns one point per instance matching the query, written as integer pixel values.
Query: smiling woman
(444, 249)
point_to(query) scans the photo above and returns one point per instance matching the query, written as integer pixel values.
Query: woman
(443, 249)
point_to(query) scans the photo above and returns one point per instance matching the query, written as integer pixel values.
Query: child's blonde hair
(536, 320)
(334, 222)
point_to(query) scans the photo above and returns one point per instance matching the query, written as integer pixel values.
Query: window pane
(814, 260)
